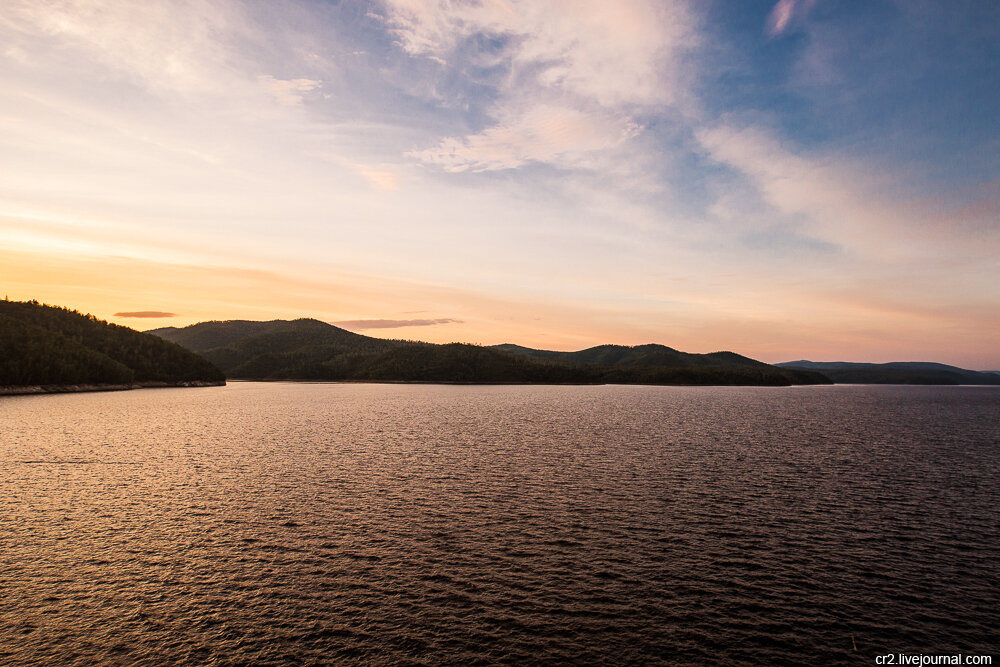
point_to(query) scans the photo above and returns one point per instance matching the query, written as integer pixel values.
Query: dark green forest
(308, 349)
(49, 345)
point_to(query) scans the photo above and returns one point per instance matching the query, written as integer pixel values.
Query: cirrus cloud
(547, 134)
(611, 52)
(565, 78)
(290, 92)
(784, 12)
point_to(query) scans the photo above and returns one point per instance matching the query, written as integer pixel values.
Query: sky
(800, 179)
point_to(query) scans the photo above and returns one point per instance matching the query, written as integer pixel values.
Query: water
(402, 524)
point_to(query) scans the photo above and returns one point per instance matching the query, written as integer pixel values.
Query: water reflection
(429, 524)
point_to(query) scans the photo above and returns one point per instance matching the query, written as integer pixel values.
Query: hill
(632, 363)
(52, 347)
(308, 349)
(899, 372)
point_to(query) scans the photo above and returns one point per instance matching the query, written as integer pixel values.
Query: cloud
(611, 52)
(393, 324)
(289, 92)
(378, 177)
(207, 50)
(544, 134)
(556, 79)
(145, 314)
(784, 12)
(829, 193)
(835, 199)
(177, 47)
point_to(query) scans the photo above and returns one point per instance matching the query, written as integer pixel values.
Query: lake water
(342, 523)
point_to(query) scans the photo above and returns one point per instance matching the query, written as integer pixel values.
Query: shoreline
(29, 390)
(513, 383)
(482, 383)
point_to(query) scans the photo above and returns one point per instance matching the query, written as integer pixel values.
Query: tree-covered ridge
(897, 372)
(639, 355)
(659, 364)
(49, 345)
(307, 349)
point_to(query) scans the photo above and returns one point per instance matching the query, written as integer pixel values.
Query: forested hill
(899, 372)
(308, 349)
(639, 356)
(43, 345)
(641, 360)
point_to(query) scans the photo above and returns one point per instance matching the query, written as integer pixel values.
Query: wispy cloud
(289, 92)
(554, 135)
(611, 52)
(861, 224)
(146, 314)
(784, 13)
(359, 325)
(379, 177)
(828, 194)
(163, 46)
(566, 78)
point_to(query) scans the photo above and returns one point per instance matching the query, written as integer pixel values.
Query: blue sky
(787, 179)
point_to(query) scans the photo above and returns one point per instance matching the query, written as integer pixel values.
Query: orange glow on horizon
(96, 285)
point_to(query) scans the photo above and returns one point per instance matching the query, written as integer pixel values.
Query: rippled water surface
(338, 523)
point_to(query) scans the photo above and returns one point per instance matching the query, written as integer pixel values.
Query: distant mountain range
(56, 349)
(900, 372)
(308, 349)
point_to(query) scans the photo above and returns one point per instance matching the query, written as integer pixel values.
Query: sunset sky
(794, 179)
